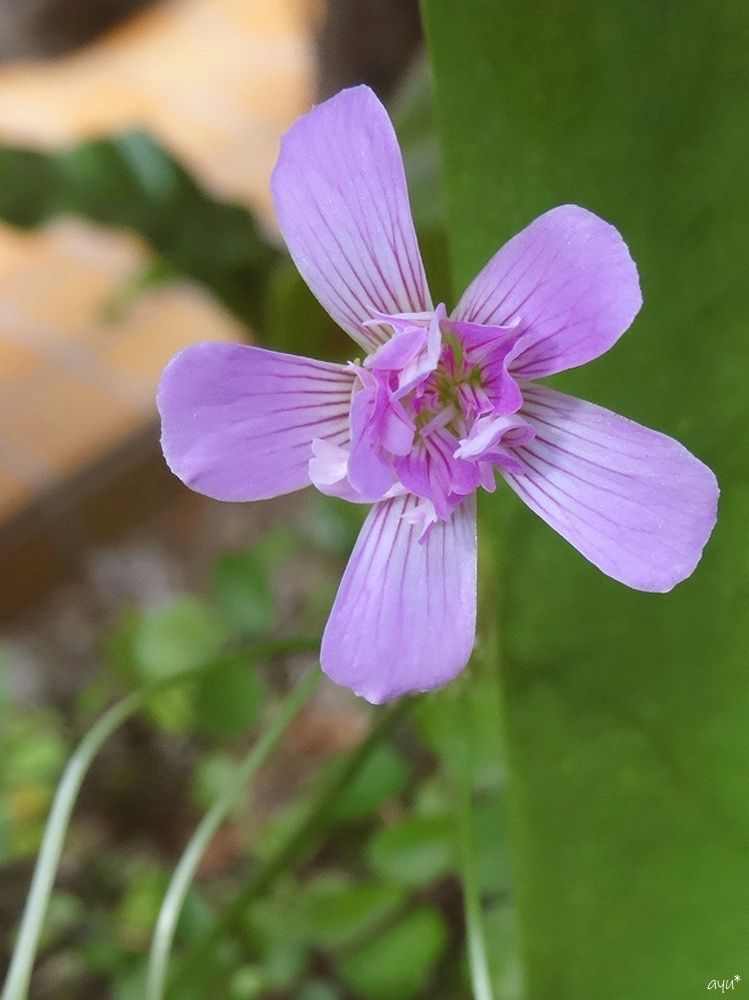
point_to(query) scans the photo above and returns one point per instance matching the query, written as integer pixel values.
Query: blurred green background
(607, 729)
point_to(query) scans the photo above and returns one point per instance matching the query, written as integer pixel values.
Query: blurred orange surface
(217, 82)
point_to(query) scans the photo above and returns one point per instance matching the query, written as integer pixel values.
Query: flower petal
(341, 201)
(636, 503)
(431, 471)
(405, 615)
(493, 438)
(238, 422)
(569, 280)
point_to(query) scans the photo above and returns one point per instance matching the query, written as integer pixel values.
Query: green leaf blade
(626, 713)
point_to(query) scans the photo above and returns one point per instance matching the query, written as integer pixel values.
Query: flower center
(453, 386)
(433, 413)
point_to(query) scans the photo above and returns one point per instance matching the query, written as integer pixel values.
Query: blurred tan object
(33, 28)
(217, 82)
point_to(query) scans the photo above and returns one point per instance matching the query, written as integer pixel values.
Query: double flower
(439, 407)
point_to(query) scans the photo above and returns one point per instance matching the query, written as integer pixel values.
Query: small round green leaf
(228, 697)
(415, 851)
(385, 775)
(184, 635)
(243, 592)
(334, 912)
(397, 964)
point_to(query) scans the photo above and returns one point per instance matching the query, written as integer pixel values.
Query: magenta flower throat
(437, 406)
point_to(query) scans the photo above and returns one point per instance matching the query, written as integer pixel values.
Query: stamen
(440, 420)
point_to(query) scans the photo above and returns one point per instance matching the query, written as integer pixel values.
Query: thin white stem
(184, 873)
(19, 974)
(17, 981)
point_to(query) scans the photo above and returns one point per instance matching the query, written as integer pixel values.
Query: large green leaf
(627, 713)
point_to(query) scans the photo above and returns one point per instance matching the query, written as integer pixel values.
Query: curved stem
(24, 953)
(19, 973)
(308, 831)
(184, 873)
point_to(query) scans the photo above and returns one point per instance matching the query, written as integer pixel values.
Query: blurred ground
(215, 81)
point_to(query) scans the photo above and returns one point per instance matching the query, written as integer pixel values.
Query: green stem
(158, 961)
(19, 973)
(308, 832)
(474, 915)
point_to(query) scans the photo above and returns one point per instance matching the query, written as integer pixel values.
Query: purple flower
(435, 408)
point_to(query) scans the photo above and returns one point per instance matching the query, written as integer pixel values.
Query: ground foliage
(368, 902)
